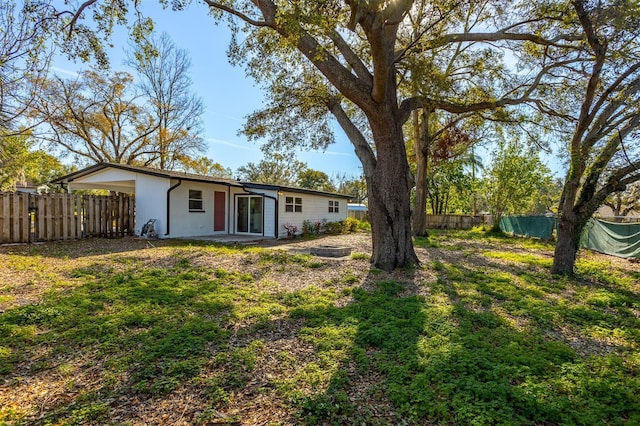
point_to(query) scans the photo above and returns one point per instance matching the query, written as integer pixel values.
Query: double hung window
(293, 204)
(195, 201)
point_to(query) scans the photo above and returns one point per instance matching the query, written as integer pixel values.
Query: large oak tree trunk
(389, 201)
(574, 215)
(570, 228)
(564, 257)
(571, 225)
(568, 237)
(388, 184)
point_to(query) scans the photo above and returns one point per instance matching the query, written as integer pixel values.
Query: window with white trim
(334, 206)
(195, 201)
(293, 204)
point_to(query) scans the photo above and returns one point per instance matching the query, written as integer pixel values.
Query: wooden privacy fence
(453, 221)
(52, 217)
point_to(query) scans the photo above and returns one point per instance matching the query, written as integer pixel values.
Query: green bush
(313, 228)
(307, 227)
(364, 225)
(351, 224)
(334, 228)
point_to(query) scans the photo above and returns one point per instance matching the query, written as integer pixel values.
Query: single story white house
(189, 205)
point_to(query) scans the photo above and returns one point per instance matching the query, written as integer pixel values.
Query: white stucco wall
(270, 213)
(270, 216)
(151, 202)
(314, 208)
(185, 223)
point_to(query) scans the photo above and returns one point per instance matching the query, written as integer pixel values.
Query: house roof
(169, 174)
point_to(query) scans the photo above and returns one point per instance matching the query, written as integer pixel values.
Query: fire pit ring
(331, 251)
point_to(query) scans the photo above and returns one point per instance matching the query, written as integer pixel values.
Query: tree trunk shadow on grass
(362, 343)
(483, 344)
(426, 353)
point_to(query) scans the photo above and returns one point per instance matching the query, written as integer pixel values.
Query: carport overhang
(101, 176)
(123, 186)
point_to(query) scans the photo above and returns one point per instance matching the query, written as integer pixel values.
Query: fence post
(132, 215)
(120, 221)
(15, 207)
(5, 234)
(77, 217)
(88, 212)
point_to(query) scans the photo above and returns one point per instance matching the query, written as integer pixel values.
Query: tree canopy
(516, 181)
(205, 166)
(277, 169)
(624, 202)
(108, 116)
(315, 179)
(21, 164)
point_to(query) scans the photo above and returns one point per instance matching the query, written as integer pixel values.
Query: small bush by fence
(52, 217)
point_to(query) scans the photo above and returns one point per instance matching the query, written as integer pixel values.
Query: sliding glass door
(249, 214)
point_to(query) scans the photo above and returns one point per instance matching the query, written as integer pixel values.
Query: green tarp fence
(529, 226)
(616, 239)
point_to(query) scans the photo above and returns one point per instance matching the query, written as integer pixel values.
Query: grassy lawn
(123, 332)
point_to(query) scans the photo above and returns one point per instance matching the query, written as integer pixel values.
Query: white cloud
(231, 144)
(343, 154)
(64, 71)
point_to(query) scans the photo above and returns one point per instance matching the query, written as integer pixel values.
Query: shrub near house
(348, 225)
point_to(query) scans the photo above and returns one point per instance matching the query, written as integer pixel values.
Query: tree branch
(77, 14)
(500, 35)
(362, 148)
(614, 86)
(412, 103)
(238, 14)
(587, 114)
(352, 59)
(602, 122)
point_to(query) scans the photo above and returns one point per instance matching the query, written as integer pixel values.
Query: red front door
(219, 210)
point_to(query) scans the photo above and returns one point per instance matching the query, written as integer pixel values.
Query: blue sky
(228, 94)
